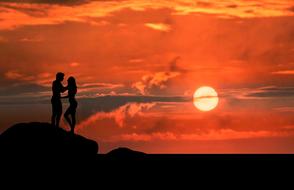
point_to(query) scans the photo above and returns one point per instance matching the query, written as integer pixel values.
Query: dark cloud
(35, 12)
(204, 4)
(291, 9)
(131, 17)
(90, 106)
(273, 92)
(110, 103)
(87, 106)
(20, 89)
(58, 2)
(21, 94)
(233, 6)
(61, 2)
(270, 50)
(173, 64)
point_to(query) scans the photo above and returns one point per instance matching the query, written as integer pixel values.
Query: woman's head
(72, 82)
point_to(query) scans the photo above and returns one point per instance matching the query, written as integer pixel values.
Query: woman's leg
(73, 121)
(66, 116)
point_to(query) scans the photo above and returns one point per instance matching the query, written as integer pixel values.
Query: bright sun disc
(205, 99)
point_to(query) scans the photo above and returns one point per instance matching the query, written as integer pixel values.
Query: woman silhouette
(73, 104)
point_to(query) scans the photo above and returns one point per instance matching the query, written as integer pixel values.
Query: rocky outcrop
(44, 139)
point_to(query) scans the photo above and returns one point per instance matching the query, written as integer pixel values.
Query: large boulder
(44, 139)
(125, 153)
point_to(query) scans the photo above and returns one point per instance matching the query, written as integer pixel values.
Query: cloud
(74, 64)
(113, 93)
(101, 85)
(211, 135)
(174, 66)
(110, 103)
(102, 105)
(21, 90)
(240, 8)
(146, 137)
(140, 86)
(28, 9)
(272, 92)
(159, 80)
(43, 79)
(138, 118)
(159, 26)
(40, 12)
(291, 9)
(28, 39)
(98, 89)
(57, 12)
(285, 109)
(119, 115)
(286, 72)
(156, 80)
(2, 39)
(136, 60)
(59, 2)
(14, 75)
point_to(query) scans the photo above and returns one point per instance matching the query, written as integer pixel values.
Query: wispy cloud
(59, 2)
(159, 26)
(259, 93)
(31, 40)
(2, 39)
(13, 75)
(156, 80)
(136, 60)
(43, 79)
(285, 72)
(285, 109)
(30, 12)
(101, 85)
(272, 92)
(119, 115)
(74, 64)
(159, 80)
(211, 135)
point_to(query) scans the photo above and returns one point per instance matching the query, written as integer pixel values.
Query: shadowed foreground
(44, 139)
(35, 140)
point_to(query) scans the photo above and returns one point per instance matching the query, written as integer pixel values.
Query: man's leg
(53, 117)
(58, 119)
(59, 112)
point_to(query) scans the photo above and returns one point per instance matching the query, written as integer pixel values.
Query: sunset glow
(140, 66)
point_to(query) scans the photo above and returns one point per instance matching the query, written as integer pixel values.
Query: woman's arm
(63, 88)
(64, 97)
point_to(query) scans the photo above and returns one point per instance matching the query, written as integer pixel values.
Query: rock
(44, 139)
(125, 153)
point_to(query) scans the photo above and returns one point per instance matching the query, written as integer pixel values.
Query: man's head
(60, 76)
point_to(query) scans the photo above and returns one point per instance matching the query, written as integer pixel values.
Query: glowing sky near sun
(139, 62)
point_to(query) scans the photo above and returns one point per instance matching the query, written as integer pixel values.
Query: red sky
(149, 57)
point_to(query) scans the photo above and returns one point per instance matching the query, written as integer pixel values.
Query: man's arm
(63, 89)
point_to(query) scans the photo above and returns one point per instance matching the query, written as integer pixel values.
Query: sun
(205, 99)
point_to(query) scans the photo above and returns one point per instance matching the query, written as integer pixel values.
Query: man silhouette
(57, 88)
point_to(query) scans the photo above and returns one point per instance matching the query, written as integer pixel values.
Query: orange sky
(149, 57)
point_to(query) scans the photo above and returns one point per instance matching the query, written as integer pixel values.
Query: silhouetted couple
(57, 89)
